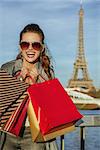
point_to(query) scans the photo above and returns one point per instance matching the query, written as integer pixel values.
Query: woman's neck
(28, 65)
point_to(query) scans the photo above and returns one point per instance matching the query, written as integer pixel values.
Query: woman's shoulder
(8, 66)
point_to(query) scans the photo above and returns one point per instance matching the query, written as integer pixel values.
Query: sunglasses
(35, 45)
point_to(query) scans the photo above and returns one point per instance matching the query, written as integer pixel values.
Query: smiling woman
(29, 67)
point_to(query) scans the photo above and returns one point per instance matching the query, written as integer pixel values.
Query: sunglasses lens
(37, 46)
(24, 45)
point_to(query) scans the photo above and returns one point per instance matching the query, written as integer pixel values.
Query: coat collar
(18, 66)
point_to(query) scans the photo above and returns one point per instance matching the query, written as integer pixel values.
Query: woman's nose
(30, 46)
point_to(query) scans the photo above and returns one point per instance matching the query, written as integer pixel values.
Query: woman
(31, 67)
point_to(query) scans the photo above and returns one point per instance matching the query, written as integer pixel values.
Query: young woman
(31, 63)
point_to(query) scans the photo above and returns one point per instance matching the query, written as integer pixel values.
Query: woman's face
(31, 53)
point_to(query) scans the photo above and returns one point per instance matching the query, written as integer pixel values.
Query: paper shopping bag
(13, 103)
(54, 109)
(37, 135)
(15, 122)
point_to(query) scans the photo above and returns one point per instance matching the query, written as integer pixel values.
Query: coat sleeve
(8, 67)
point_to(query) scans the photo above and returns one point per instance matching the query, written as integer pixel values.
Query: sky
(59, 20)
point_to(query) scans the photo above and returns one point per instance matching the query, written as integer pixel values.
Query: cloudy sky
(59, 21)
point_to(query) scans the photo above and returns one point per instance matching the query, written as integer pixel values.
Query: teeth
(30, 55)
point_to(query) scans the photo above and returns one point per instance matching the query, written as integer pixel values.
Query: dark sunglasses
(35, 45)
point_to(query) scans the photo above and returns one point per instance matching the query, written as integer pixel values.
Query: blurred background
(59, 20)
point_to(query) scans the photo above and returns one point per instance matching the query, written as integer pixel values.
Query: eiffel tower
(80, 63)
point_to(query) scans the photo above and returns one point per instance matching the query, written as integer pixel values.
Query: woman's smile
(30, 54)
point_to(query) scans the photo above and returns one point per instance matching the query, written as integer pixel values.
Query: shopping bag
(15, 123)
(13, 103)
(53, 109)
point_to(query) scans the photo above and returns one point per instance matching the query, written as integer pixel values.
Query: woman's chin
(30, 60)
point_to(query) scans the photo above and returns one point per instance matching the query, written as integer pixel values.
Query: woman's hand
(29, 76)
(24, 72)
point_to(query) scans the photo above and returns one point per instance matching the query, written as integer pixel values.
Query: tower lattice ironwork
(80, 76)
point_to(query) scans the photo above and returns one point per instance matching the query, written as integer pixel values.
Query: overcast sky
(59, 21)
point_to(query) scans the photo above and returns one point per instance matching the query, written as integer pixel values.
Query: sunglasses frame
(32, 44)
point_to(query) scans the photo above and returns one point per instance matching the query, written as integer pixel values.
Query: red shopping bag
(15, 122)
(52, 105)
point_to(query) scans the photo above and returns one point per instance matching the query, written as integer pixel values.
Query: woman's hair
(32, 28)
(36, 29)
